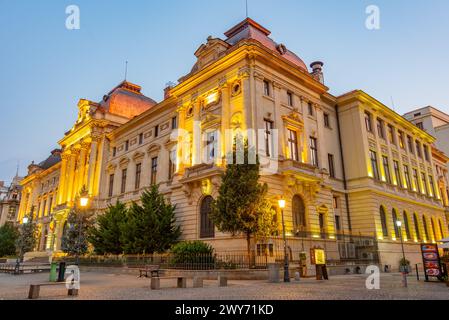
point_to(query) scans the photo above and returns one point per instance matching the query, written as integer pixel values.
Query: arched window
(416, 222)
(383, 220)
(299, 213)
(441, 228)
(434, 230)
(395, 225)
(407, 226)
(207, 228)
(426, 230)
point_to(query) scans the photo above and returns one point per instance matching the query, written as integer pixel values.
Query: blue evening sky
(45, 68)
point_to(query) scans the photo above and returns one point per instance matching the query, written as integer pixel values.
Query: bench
(182, 282)
(35, 289)
(152, 269)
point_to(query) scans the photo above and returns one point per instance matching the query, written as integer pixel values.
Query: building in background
(348, 167)
(10, 200)
(436, 123)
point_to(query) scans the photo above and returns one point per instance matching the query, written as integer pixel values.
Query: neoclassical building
(348, 166)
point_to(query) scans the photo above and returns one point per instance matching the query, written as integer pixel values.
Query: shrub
(194, 255)
(8, 238)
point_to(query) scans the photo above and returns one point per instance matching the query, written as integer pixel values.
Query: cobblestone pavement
(104, 286)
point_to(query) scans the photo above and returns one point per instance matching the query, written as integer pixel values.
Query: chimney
(317, 71)
(167, 89)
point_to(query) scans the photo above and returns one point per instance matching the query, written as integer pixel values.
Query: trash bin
(273, 272)
(53, 268)
(61, 274)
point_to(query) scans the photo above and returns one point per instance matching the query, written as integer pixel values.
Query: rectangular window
(43, 208)
(293, 145)
(211, 146)
(397, 173)
(49, 206)
(127, 145)
(114, 151)
(310, 108)
(391, 135)
(410, 145)
(401, 140)
(420, 125)
(386, 164)
(174, 123)
(432, 186)
(290, 99)
(416, 180)
(154, 171)
(337, 223)
(123, 186)
(138, 174)
(172, 164)
(327, 122)
(424, 182)
(418, 149)
(408, 181)
(380, 128)
(268, 138)
(426, 153)
(368, 122)
(156, 131)
(111, 185)
(266, 88)
(141, 138)
(314, 151)
(374, 165)
(330, 158)
(335, 202)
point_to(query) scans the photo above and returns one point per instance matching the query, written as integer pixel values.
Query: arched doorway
(207, 228)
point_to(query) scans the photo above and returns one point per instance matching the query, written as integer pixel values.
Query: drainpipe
(345, 184)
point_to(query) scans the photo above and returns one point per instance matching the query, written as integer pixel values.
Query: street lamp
(83, 203)
(404, 273)
(286, 272)
(25, 220)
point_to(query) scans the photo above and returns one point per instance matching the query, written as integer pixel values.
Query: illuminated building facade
(9, 200)
(344, 165)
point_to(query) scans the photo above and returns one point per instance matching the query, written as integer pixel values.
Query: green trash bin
(53, 274)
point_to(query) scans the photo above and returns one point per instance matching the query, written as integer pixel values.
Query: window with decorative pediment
(207, 228)
(299, 214)
(294, 127)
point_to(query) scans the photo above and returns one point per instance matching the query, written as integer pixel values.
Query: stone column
(197, 134)
(71, 176)
(62, 179)
(225, 119)
(82, 166)
(181, 140)
(92, 165)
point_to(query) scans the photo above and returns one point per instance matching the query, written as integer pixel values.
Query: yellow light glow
(212, 98)
(281, 203)
(84, 201)
(315, 236)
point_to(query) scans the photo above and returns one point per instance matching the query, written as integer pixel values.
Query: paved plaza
(109, 286)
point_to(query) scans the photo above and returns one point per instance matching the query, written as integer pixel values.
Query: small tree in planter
(404, 265)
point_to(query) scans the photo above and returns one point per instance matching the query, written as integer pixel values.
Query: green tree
(106, 235)
(8, 237)
(150, 227)
(241, 206)
(75, 238)
(27, 239)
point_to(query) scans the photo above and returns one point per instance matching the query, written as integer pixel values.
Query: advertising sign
(431, 261)
(318, 256)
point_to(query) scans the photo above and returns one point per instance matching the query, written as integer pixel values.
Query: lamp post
(286, 272)
(404, 273)
(83, 203)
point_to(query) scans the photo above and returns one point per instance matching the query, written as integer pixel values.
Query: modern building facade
(347, 166)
